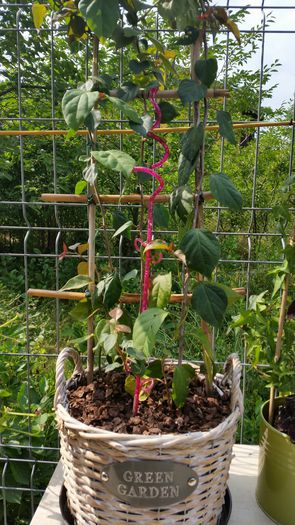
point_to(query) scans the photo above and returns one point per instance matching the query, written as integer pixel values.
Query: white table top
(242, 483)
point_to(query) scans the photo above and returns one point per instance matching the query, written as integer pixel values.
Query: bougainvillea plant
(114, 25)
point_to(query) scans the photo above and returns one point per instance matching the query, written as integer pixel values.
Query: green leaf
(201, 249)
(210, 302)
(138, 367)
(127, 110)
(120, 38)
(206, 70)
(232, 296)
(189, 91)
(191, 35)
(110, 342)
(112, 290)
(12, 496)
(154, 369)
(160, 216)
(146, 327)
(39, 12)
(192, 141)
(161, 290)
(101, 15)
(181, 203)
(4, 393)
(76, 106)
(79, 281)
(182, 376)
(21, 472)
(128, 91)
(158, 45)
(93, 120)
(225, 192)
(115, 160)
(81, 311)
(144, 127)
(130, 383)
(77, 26)
(138, 67)
(168, 112)
(226, 126)
(123, 228)
(185, 168)
(130, 275)
(80, 186)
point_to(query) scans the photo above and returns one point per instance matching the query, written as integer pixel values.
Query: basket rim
(98, 433)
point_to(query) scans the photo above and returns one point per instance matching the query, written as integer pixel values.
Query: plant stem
(183, 314)
(91, 239)
(136, 395)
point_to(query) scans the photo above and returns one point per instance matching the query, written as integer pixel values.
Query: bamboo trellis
(180, 129)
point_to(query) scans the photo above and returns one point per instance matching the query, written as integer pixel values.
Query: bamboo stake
(91, 238)
(279, 344)
(173, 93)
(133, 198)
(181, 129)
(126, 298)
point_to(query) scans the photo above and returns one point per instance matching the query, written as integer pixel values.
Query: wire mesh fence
(36, 69)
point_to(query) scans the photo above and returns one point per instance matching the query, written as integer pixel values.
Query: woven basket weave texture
(85, 450)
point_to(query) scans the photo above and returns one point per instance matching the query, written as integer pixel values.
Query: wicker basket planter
(86, 450)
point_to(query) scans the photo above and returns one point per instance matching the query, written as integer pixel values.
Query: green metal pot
(275, 491)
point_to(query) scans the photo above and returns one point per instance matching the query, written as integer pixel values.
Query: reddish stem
(136, 395)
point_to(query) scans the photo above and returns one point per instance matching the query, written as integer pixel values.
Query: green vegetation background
(27, 382)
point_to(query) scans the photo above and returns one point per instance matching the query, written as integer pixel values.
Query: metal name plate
(148, 483)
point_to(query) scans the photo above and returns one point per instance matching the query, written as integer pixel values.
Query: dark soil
(285, 418)
(104, 403)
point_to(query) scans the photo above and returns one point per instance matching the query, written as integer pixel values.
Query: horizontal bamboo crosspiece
(133, 198)
(126, 298)
(181, 129)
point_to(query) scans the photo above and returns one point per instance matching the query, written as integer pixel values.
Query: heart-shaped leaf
(185, 168)
(168, 112)
(161, 291)
(115, 160)
(191, 142)
(206, 70)
(77, 105)
(128, 91)
(112, 290)
(226, 126)
(189, 91)
(201, 249)
(101, 15)
(232, 296)
(144, 127)
(181, 203)
(225, 192)
(79, 281)
(39, 12)
(146, 327)
(127, 110)
(182, 376)
(160, 216)
(210, 302)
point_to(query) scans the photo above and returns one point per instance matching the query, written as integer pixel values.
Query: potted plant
(268, 328)
(145, 438)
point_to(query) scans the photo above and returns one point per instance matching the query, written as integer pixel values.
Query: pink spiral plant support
(140, 169)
